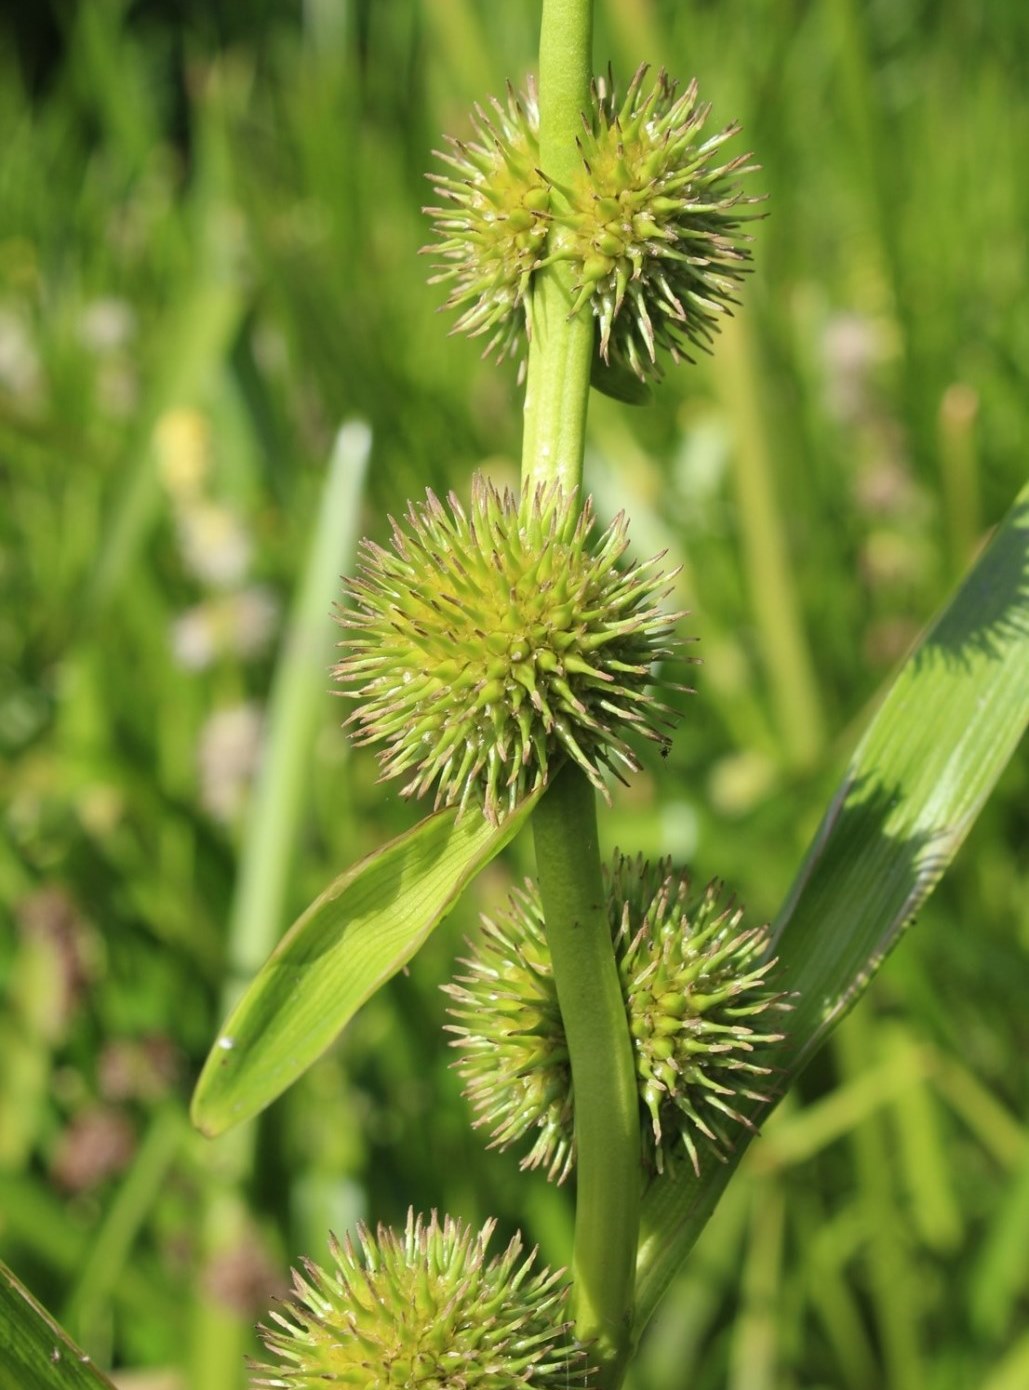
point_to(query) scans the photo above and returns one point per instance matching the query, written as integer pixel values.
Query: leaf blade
(35, 1350)
(914, 787)
(364, 928)
(912, 790)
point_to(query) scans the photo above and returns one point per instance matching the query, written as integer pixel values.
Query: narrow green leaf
(35, 1354)
(296, 709)
(919, 778)
(359, 933)
(942, 736)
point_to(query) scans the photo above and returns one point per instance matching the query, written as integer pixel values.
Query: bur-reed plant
(502, 654)
(626, 1026)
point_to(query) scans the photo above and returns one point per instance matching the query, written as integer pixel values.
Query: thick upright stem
(607, 1125)
(557, 385)
(565, 823)
(561, 348)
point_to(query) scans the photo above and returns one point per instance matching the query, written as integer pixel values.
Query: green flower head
(492, 226)
(424, 1310)
(655, 221)
(653, 226)
(695, 985)
(487, 645)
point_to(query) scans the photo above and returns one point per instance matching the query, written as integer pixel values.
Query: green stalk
(107, 1260)
(778, 615)
(892, 1277)
(561, 348)
(565, 822)
(607, 1126)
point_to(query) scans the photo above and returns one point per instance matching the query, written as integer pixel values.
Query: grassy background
(209, 220)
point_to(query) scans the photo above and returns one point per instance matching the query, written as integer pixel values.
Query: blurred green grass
(209, 225)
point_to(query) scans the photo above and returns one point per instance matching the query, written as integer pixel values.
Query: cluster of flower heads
(487, 645)
(694, 983)
(653, 225)
(421, 1311)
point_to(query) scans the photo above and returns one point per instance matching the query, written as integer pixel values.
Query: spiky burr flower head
(487, 645)
(492, 225)
(424, 1310)
(653, 225)
(655, 221)
(695, 984)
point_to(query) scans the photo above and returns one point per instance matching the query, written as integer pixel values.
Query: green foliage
(909, 796)
(225, 223)
(363, 929)
(36, 1354)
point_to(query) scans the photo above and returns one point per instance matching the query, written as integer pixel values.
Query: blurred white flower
(883, 487)
(194, 638)
(239, 624)
(106, 324)
(214, 543)
(253, 616)
(227, 754)
(20, 372)
(852, 346)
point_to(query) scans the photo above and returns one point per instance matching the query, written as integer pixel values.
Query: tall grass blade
(941, 738)
(919, 778)
(298, 699)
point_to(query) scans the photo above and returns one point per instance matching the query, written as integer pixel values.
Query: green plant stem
(561, 348)
(557, 386)
(110, 1247)
(607, 1126)
(776, 605)
(565, 822)
(892, 1278)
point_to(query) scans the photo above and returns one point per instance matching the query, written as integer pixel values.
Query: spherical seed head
(655, 221)
(488, 645)
(424, 1310)
(694, 984)
(492, 225)
(513, 1052)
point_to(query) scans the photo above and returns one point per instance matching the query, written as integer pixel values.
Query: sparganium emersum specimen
(694, 983)
(424, 1310)
(486, 645)
(493, 227)
(653, 224)
(656, 222)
